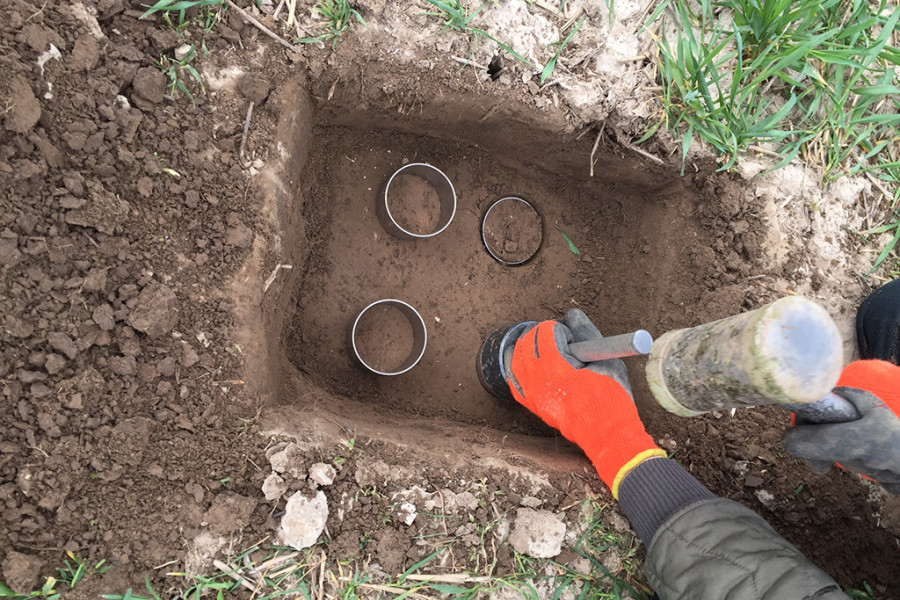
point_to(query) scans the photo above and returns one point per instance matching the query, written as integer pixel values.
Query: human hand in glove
(878, 324)
(591, 405)
(870, 445)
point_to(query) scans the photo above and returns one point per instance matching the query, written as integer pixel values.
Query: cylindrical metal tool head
(419, 334)
(495, 356)
(788, 352)
(441, 185)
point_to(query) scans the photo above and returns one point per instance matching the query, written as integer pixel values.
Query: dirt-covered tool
(788, 352)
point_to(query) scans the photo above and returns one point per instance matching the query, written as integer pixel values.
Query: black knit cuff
(654, 491)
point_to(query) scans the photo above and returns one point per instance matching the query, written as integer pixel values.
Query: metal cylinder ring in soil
(512, 231)
(438, 181)
(419, 335)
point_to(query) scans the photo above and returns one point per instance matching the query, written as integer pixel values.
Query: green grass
(179, 70)
(865, 594)
(169, 7)
(278, 572)
(816, 78)
(74, 569)
(457, 17)
(339, 16)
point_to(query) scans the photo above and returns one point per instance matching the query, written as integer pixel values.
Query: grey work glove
(870, 445)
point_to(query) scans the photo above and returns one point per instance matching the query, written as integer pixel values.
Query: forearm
(701, 546)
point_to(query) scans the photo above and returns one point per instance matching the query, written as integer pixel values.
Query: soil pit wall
(652, 254)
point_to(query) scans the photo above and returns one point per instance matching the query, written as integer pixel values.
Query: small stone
(304, 520)
(290, 461)
(322, 474)
(274, 487)
(155, 312)
(537, 533)
(182, 51)
(61, 342)
(408, 512)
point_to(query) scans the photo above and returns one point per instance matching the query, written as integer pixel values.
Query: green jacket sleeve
(719, 549)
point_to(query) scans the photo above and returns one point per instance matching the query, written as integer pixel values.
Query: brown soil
(513, 231)
(140, 347)
(384, 338)
(414, 204)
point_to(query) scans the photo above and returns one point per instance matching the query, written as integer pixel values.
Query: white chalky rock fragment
(304, 520)
(322, 474)
(182, 51)
(273, 487)
(537, 533)
(408, 512)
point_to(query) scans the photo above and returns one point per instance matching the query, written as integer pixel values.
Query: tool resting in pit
(699, 545)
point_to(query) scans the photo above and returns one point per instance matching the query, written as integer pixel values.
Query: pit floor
(629, 244)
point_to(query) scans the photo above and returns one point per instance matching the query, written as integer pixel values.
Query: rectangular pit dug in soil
(637, 266)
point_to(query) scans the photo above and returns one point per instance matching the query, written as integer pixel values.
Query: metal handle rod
(830, 409)
(617, 346)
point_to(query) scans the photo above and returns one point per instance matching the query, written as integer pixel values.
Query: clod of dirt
(513, 231)
(537, 533)
(155, 312)
(26, 110)
(149, 88)
(322, 474)
(229, 512)
(85, 54)
(10, 255)
(414, 204)
(384, 338)
(254, 87)
(274, 487)
(104, 212)
(304, 520)
(61, 342)
(391, 547)
(21, 571)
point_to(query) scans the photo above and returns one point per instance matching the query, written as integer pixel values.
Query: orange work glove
(591, 405)
(869, 445)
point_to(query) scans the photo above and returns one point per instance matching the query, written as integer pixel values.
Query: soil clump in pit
(513, 231)
(414, 204)
(384, 338)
